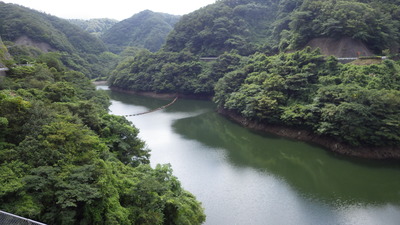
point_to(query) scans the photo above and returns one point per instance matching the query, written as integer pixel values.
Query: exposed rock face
(327, 142)
(25, 40)
(341, 48)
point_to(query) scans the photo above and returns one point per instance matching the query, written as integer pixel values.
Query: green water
(245, 177)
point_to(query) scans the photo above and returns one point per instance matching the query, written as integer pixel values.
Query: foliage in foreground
(65, 160)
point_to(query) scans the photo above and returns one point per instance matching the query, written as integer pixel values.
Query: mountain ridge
(146, 29)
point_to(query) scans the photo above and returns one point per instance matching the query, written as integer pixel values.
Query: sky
(113, 9)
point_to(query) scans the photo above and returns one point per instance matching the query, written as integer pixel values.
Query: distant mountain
(96, 27)
(146, 29)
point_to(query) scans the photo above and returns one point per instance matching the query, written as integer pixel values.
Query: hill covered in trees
(29, 33)
(254, 25)
(244, 25)
(65, 160)
(97, 27)
(61, 35)
(146, 29)
(354, 105)
(255, 76)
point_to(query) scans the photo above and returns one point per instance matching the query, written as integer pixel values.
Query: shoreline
(330, 144)
(377, 153)
(160, 95)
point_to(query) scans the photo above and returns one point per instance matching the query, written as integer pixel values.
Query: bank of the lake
(380, 153)
(247, 177)
(161, 95)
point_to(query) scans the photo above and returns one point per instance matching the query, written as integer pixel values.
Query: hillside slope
(279, 25)
(245, 25)
(341, 48)
(18, 21)
(146, 29)
(96, 27)
(34, 36)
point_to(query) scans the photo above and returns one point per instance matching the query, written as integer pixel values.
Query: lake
(246, 177)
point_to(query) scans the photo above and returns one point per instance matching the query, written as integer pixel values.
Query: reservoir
(244, 177)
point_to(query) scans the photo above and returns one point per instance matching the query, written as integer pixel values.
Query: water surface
(245, 177)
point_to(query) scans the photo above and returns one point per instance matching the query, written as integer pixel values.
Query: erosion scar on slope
(153, 110)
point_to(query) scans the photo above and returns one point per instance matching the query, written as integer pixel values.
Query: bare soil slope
(341, 48)
(24, 40)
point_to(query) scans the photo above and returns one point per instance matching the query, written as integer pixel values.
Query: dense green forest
(76, 48)
(146, 29)
(248, 26)
(244, 25)
(61, 35)
(357, 105)
(254, 25)
(255, 76)
(374, 22)
(65, 160)
(96, 27)
(171, 72)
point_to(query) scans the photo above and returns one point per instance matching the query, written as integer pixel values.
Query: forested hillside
(65, 160)
(254, 75)
(146, 29)
(253, 25)
(356, 105)
(19, 21)
(248, 26)
(245, 25)
(374, 22)
(29, 34)
(96, 27)
(172, 72)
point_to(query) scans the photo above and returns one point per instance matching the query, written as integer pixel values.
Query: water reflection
(312, 171)
(243, 177)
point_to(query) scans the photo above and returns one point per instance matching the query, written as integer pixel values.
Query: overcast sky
(113, 9)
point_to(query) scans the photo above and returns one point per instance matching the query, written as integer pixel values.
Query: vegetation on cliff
(357, 105)
(65, 160)
(76, 48)
(244, 25)
(374, 22)
(61, 35)
(172, 72)
(253, 25)
(248, 26)
(353, 104)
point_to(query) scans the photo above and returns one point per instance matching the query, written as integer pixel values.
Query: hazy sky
(114, 9)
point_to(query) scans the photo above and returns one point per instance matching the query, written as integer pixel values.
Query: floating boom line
(153, 110)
